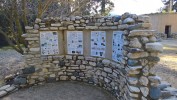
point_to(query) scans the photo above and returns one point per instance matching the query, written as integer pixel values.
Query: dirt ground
(61, 91)
(167, 67)
(9, 59)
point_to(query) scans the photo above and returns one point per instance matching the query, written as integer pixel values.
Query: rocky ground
(167, 67)
(10, 62)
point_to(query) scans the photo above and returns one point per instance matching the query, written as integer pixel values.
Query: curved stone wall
(127, 79)
(97, 71)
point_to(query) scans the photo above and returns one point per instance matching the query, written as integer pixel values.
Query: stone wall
(130, 79)
(174, 35)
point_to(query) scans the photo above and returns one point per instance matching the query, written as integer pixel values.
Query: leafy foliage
(16, 14)
(167, 5)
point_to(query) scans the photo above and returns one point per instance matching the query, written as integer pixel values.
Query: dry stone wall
(128, 79)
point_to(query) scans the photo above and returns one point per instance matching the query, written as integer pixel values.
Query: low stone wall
(174, 35)
(97, 71)
(127, 79)
(160, 36)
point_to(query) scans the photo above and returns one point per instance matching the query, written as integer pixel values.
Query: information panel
(98, 43)
(75, 42)
(117, 46)
(49, 43)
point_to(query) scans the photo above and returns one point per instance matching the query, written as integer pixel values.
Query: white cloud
(136, 6)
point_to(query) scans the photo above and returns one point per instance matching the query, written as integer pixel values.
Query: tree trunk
(103, 4)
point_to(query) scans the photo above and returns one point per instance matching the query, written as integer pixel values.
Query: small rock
(2, 93)
(155, 93)
(137, 55)
(133, 80)
(106, 62)
(37, 20)
(20, 80)
(145, 91)
(128, 21)
(36, 26)
(144, 40)
(133, 62)
(144, 81)
(154, 79)
(109, 70)
(134, 43)
(152, 39)
(28, 70)
(134, 89)
(134, 50)
(170, 89)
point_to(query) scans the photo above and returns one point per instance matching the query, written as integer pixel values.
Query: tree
(16, 14)
(170, 5)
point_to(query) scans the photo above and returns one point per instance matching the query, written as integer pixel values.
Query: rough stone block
(135, 43)
(4, 87)
(134, 89)
(2, 93)
(137, 55)
(143, 80)
(144, 19)
(154, 47)
(141, 33)
(11, 88)
(56, 24)
(34, 49)
(106, 62)
(133, 80)
(155, 93)
(109, 70)
(144, 91)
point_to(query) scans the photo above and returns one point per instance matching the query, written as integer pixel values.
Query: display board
(75, 42)
(98, 43)
(49, 43)
(117, 46)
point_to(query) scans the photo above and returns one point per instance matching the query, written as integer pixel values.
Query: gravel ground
(167, 67)
(10, 62)
(61, 91)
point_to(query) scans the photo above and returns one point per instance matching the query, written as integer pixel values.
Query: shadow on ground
(61, 91)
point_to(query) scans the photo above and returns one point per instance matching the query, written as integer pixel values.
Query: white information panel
(49, 43)
(117, 46)
(98, 43)
(75, 42)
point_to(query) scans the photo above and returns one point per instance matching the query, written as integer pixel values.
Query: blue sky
(136, 6)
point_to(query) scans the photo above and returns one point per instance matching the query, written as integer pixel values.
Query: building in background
(165, 23)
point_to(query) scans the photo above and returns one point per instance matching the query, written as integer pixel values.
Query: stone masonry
(130, 79)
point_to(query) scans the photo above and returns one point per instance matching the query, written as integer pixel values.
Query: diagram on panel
(98, 43)
(75, 42)
(117, 46)
(49, 43)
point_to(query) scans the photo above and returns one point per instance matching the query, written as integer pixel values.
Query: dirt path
(61, 91)
(167, 67)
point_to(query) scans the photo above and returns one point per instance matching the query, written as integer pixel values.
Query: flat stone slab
(157, 47)
(61, 91)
